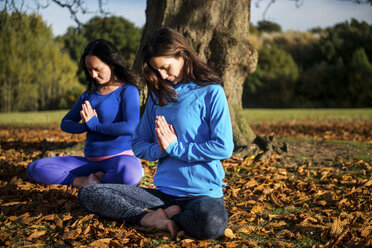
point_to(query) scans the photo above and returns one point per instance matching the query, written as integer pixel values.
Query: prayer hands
(164, 132)
(87, 112)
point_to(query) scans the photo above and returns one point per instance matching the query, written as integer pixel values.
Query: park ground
(318, 194)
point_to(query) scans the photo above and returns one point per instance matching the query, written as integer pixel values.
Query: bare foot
(172, 210)
(159, 220)
(99, 175)
(82, 181)
(93, 179)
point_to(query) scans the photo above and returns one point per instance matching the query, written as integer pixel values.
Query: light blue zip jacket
(191, 165)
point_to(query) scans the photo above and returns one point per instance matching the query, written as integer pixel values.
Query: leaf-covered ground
(316, 195)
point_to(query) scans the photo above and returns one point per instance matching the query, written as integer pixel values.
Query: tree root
(269, 145)
(262, 148)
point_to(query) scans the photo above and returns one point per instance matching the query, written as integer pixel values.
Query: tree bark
(218, 31)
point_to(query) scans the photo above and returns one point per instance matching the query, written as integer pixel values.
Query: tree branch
(75, 7)
(299, 3)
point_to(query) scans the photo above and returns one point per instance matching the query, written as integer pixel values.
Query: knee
(31, 170)
(133, 178)
(132, 181)
(132, 171)
(212, 226)
(84, 197)
(204, 218)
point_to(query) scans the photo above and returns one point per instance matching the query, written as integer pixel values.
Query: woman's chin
(102, 83)
(173, 81)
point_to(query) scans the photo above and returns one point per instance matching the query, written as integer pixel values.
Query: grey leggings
(202, 217)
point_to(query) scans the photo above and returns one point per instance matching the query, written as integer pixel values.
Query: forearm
(113, 129)
(147, 150)
(73, 127)
(208, 151)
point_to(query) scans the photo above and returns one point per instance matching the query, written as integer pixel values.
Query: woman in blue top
(109, 111)
(186, 127)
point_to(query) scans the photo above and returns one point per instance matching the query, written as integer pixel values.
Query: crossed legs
(202, 217)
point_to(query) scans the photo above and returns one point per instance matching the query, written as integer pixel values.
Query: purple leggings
(122, 169)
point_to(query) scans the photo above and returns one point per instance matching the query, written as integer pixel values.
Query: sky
(312, 13)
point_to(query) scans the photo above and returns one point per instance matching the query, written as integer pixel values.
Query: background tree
(333, 67)
(272, 85)
(34, 73)
(337, 76)
(360, 79)
(300, 45)
(269, 27)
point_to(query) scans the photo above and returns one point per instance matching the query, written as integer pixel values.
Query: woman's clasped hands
(165, 133)
(87, 112)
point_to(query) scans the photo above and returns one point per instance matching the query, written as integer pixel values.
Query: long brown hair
(168, 42)
(109, 54)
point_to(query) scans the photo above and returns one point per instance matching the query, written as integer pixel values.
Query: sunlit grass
(347, 143)
(53, 118)
(32, 119)
(287, 115)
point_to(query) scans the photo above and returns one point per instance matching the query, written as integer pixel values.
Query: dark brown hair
(169, 42)
(109, 54)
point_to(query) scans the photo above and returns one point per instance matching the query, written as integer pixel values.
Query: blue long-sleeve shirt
(111, 132)
(191, 165)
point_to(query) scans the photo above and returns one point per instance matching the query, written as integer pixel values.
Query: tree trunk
(218, 31)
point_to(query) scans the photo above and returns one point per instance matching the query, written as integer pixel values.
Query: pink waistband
(127, 152)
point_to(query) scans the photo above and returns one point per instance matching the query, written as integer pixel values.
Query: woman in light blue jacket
(186, 126)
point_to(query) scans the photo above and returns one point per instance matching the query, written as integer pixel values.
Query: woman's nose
(163, 74)
(93, 74)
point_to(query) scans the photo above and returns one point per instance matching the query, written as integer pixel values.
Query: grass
(347, 143)
(307, 241)
(275, 115)
(366, 156)
(278, 210)
(350, 143)
(363, 156)
(53, 118)
(32, 119)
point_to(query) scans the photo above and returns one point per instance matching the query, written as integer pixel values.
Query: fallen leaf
(365, 232)
(247, 229)
(58, 221)
(101, 243)
(232, 244)
(229, 233)
(368, 184)
(336, 227)
(256, 209)
(36, 234)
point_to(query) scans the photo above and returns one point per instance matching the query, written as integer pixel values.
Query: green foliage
(73, 43)
(360, 79)
(323, 85)
(341, 74)
(301, 45)
(272, 85)
(333, 66)
(359, 60)
(118, 30)
(269, 27)
(34, 73)
(340, 41)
